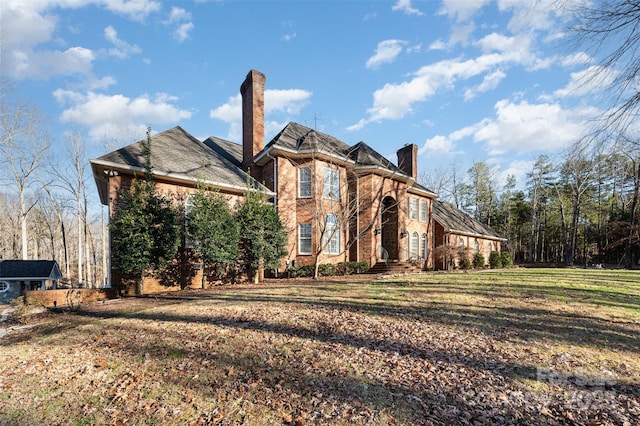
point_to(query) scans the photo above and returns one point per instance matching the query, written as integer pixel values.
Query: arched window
(414, 246)
(476, 246)
(4, 286)
(423, 246)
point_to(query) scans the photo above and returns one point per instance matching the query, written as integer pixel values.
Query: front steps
(396, 267)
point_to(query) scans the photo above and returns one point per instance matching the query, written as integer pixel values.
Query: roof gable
(30, 269)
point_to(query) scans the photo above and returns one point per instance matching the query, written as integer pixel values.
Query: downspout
(358, 219)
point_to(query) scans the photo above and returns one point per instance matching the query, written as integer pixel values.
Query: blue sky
(467, 80)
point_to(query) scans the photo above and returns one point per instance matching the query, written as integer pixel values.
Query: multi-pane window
(331, 237)
(331, 187)
(304, 182)
(423, 246)
(476, 246)
(414, 209)
(304, 238)
(423, 211)
(414, 246)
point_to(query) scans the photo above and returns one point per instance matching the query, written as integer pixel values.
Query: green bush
(495, 260)
(478, 260)
(328, 269)
(465, 264)
(349, 268)
(507, 260)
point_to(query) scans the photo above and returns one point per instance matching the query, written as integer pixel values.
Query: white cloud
(438, 45)
(443, 145)
(48, 63)
(580, 58)
(181, 20)
(462, 10)
(517, 169)
(288, 102)
(395, 100)
(27, 25)
(178, 15)
(386, 52)
(594, 79)
(490, 82)
(182, 32)
(525, 127)
(103, 113)
(121, 49)
(519, 127)
(405, 6)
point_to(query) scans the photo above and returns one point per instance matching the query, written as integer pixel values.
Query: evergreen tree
(145, 229)
(263, 240)
(213, 233)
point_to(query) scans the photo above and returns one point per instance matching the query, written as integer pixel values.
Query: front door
(390, 227)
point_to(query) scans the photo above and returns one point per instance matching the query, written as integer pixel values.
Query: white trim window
(304, 238)
(331, 237)
(304, 182)
(414, 209)
(331, 186)
(423, 210)
(423, 247)
(414, 246)
(476, 246)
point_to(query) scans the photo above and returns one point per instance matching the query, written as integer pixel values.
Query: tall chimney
(408, 160)
(252, 91)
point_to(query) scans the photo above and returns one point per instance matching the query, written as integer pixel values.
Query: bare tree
(610, 30)
(23, 146)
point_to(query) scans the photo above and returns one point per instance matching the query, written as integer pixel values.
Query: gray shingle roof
(30, 269)
(455, 220)
(296, 137)
(176, 153)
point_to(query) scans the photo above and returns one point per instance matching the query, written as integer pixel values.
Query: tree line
(581, 209)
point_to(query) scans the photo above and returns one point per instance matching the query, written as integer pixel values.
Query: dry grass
(508, 347)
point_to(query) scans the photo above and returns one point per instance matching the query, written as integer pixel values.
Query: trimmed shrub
(478, 260)
(507, 260)
(465, 264)
(349, 268)
(328, 269)
(495, 260)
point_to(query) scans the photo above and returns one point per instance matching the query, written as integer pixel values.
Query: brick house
(454, 228)
(337, 201)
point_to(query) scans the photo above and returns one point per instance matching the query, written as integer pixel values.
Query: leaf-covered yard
(510, 347)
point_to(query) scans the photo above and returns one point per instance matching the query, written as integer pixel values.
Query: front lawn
(516, 346)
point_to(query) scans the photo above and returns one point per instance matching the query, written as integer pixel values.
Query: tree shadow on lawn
(293, 384)
(563, 327)
(531, 324)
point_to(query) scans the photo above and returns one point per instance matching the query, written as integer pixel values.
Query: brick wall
(68, 297)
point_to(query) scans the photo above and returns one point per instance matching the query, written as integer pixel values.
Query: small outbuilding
(18, 276)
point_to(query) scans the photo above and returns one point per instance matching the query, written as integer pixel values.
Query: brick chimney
(252, 91)
(408, 160)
